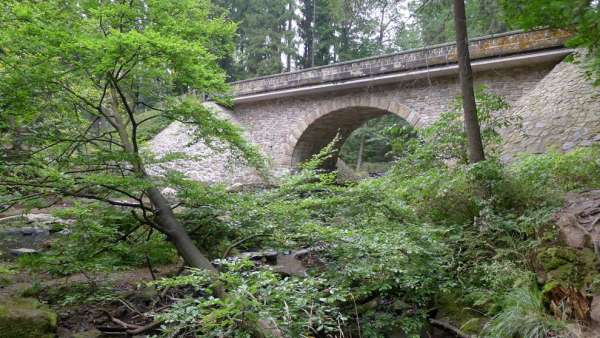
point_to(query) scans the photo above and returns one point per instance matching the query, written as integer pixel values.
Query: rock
(64, 232)
(26, 231)
(95, 333)
(42, 218)
(266, 255)
(22, 251)
(290, 265)
(236, 187)
(579, 221)
(26, 317)
(170, 194)
(247, 187)
(595, 309)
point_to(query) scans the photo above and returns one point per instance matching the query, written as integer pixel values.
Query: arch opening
(344, 121)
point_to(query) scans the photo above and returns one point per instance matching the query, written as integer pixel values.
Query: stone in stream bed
(26, 317)
(22, 251)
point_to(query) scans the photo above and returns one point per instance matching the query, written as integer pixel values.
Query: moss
(569, 266)
(26, 317)
(452, 307)
(555, 257)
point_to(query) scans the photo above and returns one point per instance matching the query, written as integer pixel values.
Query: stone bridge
(291, 116)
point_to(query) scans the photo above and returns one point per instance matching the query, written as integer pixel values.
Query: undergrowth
(434, 238)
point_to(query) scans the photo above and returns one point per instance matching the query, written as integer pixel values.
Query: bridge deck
(408, 63)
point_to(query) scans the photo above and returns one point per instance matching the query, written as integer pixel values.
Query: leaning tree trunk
(167, 223)
(177, 234)
(475, 144)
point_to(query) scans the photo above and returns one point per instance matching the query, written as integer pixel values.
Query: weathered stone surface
(26, 317)
(495, 45)
(558, 105)
(23, 251)
(561, 112)
(212, 162)
(38, 219)
(579, 221)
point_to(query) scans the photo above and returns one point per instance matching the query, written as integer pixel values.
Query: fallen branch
(131, 329)
(142, 329)
(448, 327)
(120, 322)
(232, 246)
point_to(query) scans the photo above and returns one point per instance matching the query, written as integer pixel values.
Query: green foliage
(433, 19)
(523, 315)
(404, 241)
(375, 138)
(97, 242)
(263, 35)
(282, 35)
(26, 317)
(6, 271)
(297, 306)
(543, 178)
(445, 139)
(577, 16)
(80, 293)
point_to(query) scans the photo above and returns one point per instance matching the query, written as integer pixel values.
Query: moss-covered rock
(453, 309)
(568, 266)
(26, 317)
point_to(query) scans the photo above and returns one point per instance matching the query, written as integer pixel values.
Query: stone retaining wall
(561, 112)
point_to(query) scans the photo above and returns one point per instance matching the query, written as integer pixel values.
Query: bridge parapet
(480, 48)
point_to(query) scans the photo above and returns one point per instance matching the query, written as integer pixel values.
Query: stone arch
(345, 114)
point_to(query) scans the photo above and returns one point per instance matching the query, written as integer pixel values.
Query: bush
(542, 179)
(97, 243)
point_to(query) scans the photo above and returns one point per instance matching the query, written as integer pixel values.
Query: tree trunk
(308, 30)
(361, 148)
(475, 145)
(168, 224)
(289, 41)
(177, 233)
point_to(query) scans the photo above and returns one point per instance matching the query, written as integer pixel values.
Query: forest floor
(85, 302)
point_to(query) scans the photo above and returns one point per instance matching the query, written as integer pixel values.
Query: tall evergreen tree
(433, 19)
(263, 37)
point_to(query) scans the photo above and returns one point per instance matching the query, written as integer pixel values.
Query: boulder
(595, 309)
(579, 221)
(26, 317)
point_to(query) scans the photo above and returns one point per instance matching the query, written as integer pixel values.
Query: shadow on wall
(324, 129)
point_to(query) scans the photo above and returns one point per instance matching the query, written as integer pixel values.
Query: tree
(264, 35)
(68, 65)
(475, 144)
(580, 17)
(433, 19)
(307, 32)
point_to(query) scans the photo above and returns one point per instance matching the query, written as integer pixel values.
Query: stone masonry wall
(210, 164)
(561, 112)
(276, 126)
